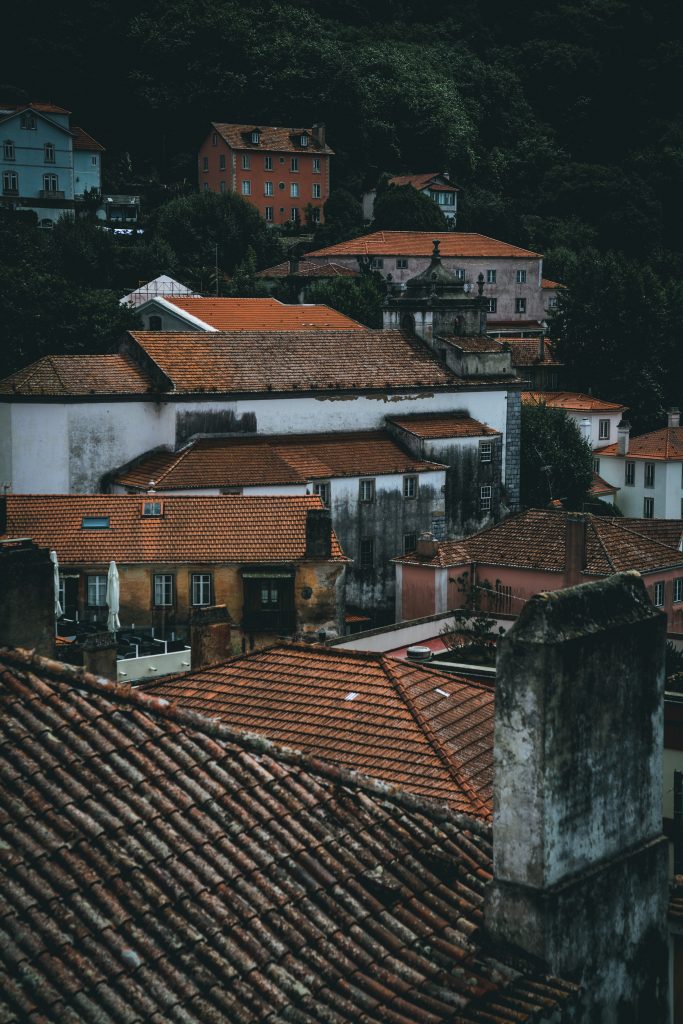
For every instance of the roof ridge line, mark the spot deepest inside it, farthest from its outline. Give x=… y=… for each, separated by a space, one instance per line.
x=51 y=360
x=605 y=552
x=249 y=741
x=442 y=752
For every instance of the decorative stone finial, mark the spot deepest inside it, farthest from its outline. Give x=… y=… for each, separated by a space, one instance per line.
x=480 y=284
x=436 y=252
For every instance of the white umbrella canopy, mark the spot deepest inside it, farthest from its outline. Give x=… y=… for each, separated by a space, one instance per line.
x=59 y=611
x=112 y=597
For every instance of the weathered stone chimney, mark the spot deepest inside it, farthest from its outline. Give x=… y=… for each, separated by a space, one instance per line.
x=99 y=655
x=209 y=635
x=623 y=437
x=580 y=865
x=427 y=546
x=541 y=348
x=293 y=265
x=585 y=429
x=318 y=132
x=674 y=418
x=318 y=533
x=574 y=548
x=27 y=595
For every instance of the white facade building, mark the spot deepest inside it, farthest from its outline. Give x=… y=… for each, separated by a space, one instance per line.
x=647 y=469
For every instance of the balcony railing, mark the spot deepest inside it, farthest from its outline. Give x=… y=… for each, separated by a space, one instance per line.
x=46 y=193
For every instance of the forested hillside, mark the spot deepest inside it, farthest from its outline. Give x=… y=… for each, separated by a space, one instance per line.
x=561 y=122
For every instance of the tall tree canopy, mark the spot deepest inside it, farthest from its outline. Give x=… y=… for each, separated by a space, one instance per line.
x=403 y=208
x=556 y=462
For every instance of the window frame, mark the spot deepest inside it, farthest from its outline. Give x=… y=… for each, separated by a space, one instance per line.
x=267 y=163
x=520 y=304
x=221 y=162
x=246 y=161
x=49 y=153
x=152 y=508
x=205 y=164
x=596 y=465
x=246 y=187
x=10 y=182
x=9 y=150
x=294 y=214
x=367 y=490
x=485 y=498
x=676 y=590
x=658 y=594
x=401 y=262
x=316 y=165
x=491 y=276
x=324 y=490
x=366 y=553
x=198 y=581
x=256 y=138
x=649 y=475
x=294 y=164
x=160 y=582
x=95 y=585
x=316 y=190
x=491 y=304
x=486 y=451
x=604 y=428
x=409 y=542
x=411 y=486
x=28 y=121
x=155 y=323
x=630 y=473
x=648 y=508
x=268 y=189
x=268 y=213
x=294 y=190
x=376 y=263
x=214 y=139
x=50 y=180
x=520 y=276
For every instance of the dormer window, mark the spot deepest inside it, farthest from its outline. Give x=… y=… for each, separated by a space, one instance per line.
x=255 y=138
x=304 y=140
x=152 y=509
x=28 y=120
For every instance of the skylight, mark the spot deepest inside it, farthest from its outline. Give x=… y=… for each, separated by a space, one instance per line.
x=351 y=696
x=95 y=522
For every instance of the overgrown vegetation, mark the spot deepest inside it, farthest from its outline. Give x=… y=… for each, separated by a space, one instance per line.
x=556 y=464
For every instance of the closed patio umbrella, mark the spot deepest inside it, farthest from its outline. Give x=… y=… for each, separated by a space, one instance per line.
x=113 y=598
x=59 y=611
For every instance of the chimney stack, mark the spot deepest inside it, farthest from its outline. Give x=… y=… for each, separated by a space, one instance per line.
x=623 y=437
x=209 y=635
x=293 y=265
x=585 y=430
x=579 y=861
x=674 y=418
x=318 y=533
x=541 y=348
x=574 y=548
x=27 y=596
x=99 y=655
x=427 y=546
x=318 y=132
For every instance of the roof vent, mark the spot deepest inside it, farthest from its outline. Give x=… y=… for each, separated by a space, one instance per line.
x=419 y=653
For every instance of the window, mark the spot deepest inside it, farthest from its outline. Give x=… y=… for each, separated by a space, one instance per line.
x=255 y=138
x=268 y=163
x=410 y=487
x=490 y=276
x=267 y=188
x=62 y=594
x=492 y=305
x=596 y=465
x=316 y=192
x=281 y=186
x=459 y=273
x=50 y=183
x=649 y=474
x=214 y=139
x=294 y=190
x=221 y=186
x=376 y=263
x=8 y=149
x=409 y=542
x=485 y=451
x=552 y=302
x=163 y=590
x=366 y=490
x=322 y=487
x=521 y=277
x=520 y=305
x=268 y=213
x=402 y=263
x=206 y=186
x=28 y=120
x=485 y=498
x=155 y=323
x=153 y=509
x=221 y=162
x=315 y=215
x=97 y=591
x=270 y=596
x=246 y=162
x=46 y=224
x=316 y=165
x=503 y=598
x=93 y=161
x=294 y=215
x=677 y=590
x=367 y=553
x=201 y=588
x=95 y=523
x=658 y=598
x=304 y=140
x=294 y=163
x=205 y=163
x=630 y=474
x=49 y=153
x=246 y=188
x=10 y=181
x=603 y=430
x=648 y=508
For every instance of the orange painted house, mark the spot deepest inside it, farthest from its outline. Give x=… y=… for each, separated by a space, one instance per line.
x=280 y=171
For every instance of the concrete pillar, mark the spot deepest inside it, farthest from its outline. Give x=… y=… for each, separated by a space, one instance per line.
x=99 y=655
x=580 y=865
x=209 y=635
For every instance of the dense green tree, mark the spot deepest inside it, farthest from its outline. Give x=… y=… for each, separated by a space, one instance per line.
x=556 y=463
x=343 y=219
x=403 y=208
x=360 y=298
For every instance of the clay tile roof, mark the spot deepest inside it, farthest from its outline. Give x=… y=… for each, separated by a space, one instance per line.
x=280 y=459
x=600 y=486
x=309 y=269
x=159 y=866
x=377 y=715
x=278 y=140
x=524 y=352
x=297 y=360
x=572 y=401
x=535 y=539
x=666 y=531
x=420 y=243
x=421 y=181
x=81 y=140
x=43 y=108
x=473 y=343
x=262 y=314
x=225 y=528
x=665 y=445
x=78 y=375
x=438 y=424
x=547 y=283
x=449 y=552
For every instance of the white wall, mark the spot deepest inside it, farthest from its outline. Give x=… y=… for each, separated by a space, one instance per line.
x=595 y=440
x=630 y=499
x=40 y=448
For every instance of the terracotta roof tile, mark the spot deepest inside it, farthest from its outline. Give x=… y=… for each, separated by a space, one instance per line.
x=666 y=531
x=571 y=401
x=420 y=181
x=78 y=375
x=377 y=715
x=473 y=343
x=159 y=866
x=524 y=352
x=225 y=528
x=308 y=269
x=665 y=445
x=600 y=486
x=278 y=140
x=262 y=314
x=438 y=424
x=81 y=140
x=43 y=108
x=420 y=243
x=547 y=283
x=282 y=459
x=535 y=539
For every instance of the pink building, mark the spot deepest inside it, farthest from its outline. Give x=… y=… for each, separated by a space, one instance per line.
x=540 y=549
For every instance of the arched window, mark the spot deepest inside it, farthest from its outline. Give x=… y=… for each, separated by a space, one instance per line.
x=155 y=323
x=49 y=152
x=408 y=323
x=46 y=224
x=28 y=120
x=50 y=183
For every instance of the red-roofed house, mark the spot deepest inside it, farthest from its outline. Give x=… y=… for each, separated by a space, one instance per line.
x=436 y=186
x=648 y=470
x=194 y=313
x=283 y=172
x=597 y=419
